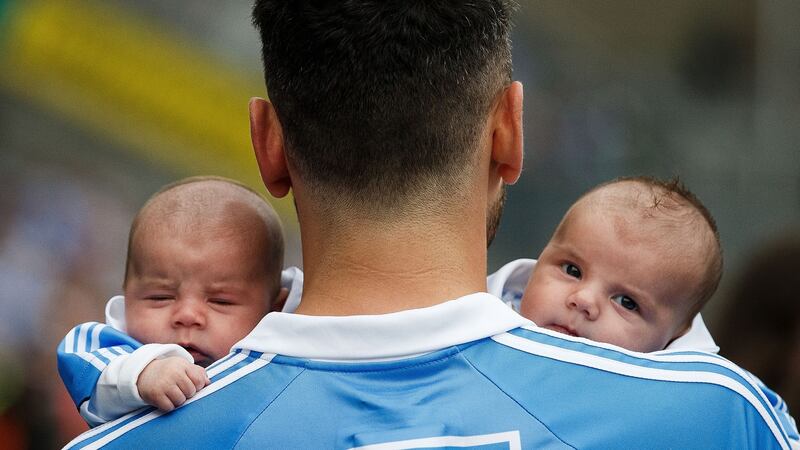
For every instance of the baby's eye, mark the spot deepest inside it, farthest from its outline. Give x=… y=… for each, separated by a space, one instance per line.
x=571 y=270
x=159 y=298
x=626 y=302
x=220 y=301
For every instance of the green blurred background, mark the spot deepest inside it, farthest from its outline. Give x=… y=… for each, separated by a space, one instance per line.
x=101 y=103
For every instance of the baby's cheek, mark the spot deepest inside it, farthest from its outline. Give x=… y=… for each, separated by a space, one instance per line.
x=141 y=331
x=148 y=325
x=530 y=308
x=644 y=341
x=226 y=336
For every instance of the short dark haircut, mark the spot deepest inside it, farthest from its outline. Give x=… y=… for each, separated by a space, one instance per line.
x=673 y=195
x=380 y=100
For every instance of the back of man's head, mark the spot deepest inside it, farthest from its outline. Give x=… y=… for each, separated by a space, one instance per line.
x=383 y=101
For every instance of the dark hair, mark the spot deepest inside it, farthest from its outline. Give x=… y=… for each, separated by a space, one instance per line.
x=383 y=99
x=674 y=195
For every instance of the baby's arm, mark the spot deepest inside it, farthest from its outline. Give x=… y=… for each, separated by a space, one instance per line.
x=100 y=367
x=84 y=354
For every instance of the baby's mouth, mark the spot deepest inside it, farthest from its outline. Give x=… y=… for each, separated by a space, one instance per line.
x=200 y=358
x=562 y=330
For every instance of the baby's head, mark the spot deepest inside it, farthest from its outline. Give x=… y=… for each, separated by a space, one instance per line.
x=204 y=266
x=631 y=263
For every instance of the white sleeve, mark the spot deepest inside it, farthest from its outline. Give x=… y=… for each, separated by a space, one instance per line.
x=116 y=393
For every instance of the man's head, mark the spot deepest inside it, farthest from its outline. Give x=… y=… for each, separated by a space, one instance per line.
x=631 y=263
x=383 y=104
x=204 y=263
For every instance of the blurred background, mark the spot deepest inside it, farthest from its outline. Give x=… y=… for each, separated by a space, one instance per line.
x=101 y=103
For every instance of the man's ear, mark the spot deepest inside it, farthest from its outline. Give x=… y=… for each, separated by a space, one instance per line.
x=507 y=139
x=267 y=136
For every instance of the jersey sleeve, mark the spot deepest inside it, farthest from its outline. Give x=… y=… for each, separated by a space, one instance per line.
x=781 y=411
x=100 y=365
x=85 y=352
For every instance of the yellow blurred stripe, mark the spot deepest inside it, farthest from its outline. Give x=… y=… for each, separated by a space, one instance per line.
x=125 y=78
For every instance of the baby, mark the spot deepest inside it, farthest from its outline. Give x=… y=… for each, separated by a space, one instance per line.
x=631 y=264
x=203 y=267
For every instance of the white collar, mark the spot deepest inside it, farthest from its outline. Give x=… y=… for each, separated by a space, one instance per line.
x=383 y=337
x=514 y=273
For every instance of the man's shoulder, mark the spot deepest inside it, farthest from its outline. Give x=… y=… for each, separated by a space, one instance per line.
x=539 y=348
x=562 y=379
x=214 y=418
x=547 y=387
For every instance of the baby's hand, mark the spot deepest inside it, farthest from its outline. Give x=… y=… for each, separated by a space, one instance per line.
x=167 y=383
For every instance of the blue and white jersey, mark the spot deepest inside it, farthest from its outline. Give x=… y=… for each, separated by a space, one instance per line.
x=782 y=411
x=467 y=373
x=510 y=281
x=100 y=365
x=85 y=352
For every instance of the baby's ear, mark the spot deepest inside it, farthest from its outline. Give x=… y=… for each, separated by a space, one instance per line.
x=279 y=301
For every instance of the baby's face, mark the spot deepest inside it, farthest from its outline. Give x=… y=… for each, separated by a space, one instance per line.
x=602 y=278
x=202 y=290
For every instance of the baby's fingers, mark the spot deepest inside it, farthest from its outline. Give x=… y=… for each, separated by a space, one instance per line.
x=162 y=402
x=176 y=397
x=198 y=376
x=187 y=386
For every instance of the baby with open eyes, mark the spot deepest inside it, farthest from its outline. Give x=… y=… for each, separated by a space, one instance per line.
x=631 y=264
x=203 y=268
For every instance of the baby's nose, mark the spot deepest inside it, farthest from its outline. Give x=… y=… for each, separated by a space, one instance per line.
x=189 y=313
x=585 y=301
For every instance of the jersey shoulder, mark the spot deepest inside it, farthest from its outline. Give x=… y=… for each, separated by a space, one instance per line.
x=589 y=391
x=238 y=394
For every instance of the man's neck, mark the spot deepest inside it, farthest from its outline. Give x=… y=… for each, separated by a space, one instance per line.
x=379 y=269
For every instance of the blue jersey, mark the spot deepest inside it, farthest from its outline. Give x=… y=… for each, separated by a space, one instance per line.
x=100 y=365
x=468 y=373
x=86 y=352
